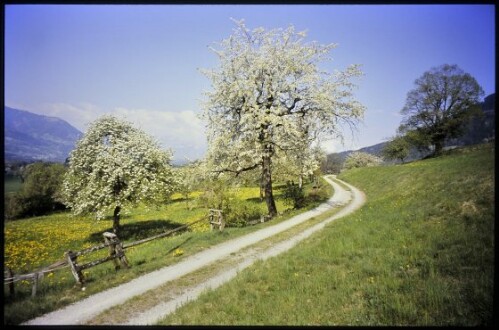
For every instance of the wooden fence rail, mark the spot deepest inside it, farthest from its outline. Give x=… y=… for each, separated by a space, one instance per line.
x=116 y=253
x=10 y=278
x=167 y=233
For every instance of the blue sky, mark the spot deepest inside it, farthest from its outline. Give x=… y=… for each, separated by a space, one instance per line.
x=78 y=62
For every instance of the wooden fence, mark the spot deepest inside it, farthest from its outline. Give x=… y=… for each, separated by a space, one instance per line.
x=116 y=253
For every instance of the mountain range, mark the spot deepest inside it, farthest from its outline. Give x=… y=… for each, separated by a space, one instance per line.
x=30 y=137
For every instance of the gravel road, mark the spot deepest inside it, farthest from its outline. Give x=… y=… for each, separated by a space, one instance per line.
x=84 y=310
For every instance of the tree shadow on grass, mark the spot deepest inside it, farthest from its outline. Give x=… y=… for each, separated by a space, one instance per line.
x=255 y=200
x=278 y=192
x=179 y=245
x=137 y=230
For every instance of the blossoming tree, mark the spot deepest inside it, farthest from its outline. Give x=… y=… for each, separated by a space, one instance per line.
x=270 y=98
x=361 y=159
x=116 y=165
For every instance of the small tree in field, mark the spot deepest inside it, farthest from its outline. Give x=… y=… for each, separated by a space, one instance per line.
x=397 y=148
x=443 y=101
x=189 y=178
x=116 y=165
x=270 y=99
x=361 y=159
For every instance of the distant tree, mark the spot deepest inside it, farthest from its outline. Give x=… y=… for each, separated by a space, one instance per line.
x=443 y=101
x=113 y=166
x=397 y=148
x=39 y=193
x=189 y=179
x=332 y=164
x=298 y=164
x=270 y=98
x=361 y=159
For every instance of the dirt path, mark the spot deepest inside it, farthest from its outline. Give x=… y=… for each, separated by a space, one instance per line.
x=84 y=310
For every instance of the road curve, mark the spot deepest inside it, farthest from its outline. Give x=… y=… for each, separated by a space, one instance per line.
x=84 y=310
x=155 y=314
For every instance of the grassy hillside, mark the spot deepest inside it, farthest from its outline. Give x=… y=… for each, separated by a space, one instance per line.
x=420 y=252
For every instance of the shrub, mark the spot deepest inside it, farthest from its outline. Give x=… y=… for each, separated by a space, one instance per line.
x=397 y=148
x=361 y=159
x=318 y=193
x=39 y=193
x=14 y=206
x=216 y=194
x=238 y=215
x=294 y=195
x=220 y=194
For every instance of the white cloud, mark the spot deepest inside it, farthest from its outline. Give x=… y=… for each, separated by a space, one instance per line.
x=78 y=116
x=335 y=145
x=181 y=131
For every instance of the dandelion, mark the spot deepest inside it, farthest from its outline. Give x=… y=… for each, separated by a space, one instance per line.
x=178 y=252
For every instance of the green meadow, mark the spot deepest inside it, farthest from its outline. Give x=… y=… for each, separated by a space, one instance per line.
x=34 y=243
x=419 y=252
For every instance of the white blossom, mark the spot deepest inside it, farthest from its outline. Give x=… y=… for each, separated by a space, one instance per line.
x=270 y=100
x=271 y=79
x=361 y=159
x=116 y=164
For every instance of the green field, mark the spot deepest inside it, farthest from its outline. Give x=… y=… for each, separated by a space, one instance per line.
x=37 y=242
x=420 y=252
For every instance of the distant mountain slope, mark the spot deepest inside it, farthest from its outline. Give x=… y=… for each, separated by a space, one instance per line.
x=31 y=137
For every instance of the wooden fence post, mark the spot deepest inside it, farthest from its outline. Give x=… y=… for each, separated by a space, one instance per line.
x=11 y=283
x=115 y=250
x=35 y=285
x=75 y=269
x=219 y=222
x=210 y=219
x=120 y=253
x=109 y=239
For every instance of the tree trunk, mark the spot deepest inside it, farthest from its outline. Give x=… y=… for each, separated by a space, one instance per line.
x=262 y=188
x=116 y=220
x=438 y=148
x=300 y=181
x=267 y=183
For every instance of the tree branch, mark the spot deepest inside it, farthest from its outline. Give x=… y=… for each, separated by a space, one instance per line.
x=237 y=172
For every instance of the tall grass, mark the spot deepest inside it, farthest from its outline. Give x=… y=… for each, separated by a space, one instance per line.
x=420 y=252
